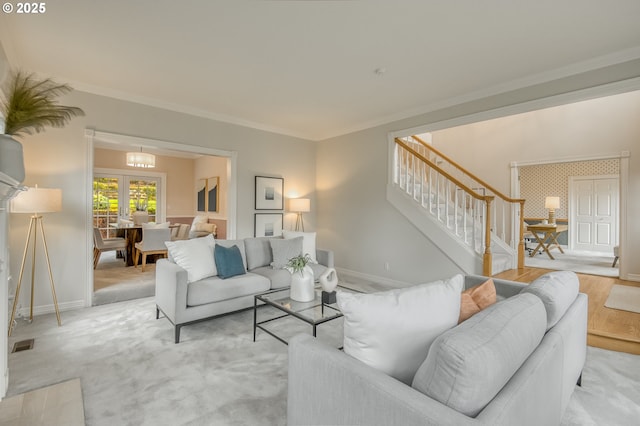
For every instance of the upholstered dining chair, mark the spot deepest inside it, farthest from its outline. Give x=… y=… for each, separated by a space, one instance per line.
x=152 y=243
x=182 y=232
x=101 y=245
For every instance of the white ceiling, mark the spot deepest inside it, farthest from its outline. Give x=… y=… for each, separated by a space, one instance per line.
x=306 y=68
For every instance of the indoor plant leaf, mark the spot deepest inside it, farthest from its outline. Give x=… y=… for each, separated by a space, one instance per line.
x=30 y=104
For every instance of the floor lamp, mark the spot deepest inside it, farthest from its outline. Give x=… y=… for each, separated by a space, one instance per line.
x=35 y=201
x=300 y=205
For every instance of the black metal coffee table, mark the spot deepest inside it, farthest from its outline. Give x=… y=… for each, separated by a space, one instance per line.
x=313 y=313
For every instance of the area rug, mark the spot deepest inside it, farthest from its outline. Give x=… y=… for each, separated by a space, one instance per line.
x=584 y=264
x=624 y=298
x=133 y=374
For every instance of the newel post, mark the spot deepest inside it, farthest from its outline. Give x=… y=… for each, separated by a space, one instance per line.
x=487 y=258
x=521 y=243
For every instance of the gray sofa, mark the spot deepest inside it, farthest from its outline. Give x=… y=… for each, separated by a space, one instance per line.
x=184 y=303
x=327 y=386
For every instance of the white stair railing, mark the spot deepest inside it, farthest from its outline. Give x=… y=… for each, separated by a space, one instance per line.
x=465 y=213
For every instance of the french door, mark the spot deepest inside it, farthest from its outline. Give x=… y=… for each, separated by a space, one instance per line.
x=117 y=195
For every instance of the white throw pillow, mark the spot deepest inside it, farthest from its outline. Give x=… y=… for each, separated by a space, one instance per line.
x=308 y=242
x=392 y=330
x=195 y=256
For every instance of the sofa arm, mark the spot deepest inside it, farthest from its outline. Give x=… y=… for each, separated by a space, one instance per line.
x=171 y=289
x=325 y=257
x=326 y=386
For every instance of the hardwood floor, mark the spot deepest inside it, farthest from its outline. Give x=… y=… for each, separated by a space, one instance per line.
x=607 y=328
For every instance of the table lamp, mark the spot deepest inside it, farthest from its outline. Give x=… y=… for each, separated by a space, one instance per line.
x=300 y=205
x=552 y=203
x=35 y=201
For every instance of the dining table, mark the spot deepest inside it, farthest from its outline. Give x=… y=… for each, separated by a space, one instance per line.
x=132 y=233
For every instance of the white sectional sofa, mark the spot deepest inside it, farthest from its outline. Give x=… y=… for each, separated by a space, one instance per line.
x=185 y=302
x=516 y=362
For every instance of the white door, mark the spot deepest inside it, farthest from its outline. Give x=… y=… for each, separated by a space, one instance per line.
x=593 y=222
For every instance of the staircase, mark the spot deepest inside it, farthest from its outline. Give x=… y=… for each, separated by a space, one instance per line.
x=479 y=228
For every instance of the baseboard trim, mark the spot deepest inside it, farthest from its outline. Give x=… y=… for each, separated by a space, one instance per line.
x=48 y=309
x=372 y=278
x=633 y=277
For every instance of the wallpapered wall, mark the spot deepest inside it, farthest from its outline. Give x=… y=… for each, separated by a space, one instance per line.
x=540 y=181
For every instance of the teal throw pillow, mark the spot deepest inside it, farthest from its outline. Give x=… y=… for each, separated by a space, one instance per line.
x=228 y=261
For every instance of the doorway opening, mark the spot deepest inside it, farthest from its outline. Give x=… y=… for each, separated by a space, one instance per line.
x=166 y=194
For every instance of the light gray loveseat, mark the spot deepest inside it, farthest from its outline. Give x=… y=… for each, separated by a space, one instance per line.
x=327 y=386
x=184 y=303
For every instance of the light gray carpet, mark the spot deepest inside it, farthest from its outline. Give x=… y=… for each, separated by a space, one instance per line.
x=113 y=281
x=576 y=262
x=133 y=374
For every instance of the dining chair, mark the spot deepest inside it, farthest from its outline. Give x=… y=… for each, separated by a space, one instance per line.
x=152 y=243
x=101 y=245
x=182 y=232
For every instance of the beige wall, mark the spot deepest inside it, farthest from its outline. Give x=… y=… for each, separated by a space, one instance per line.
x=587 y=129
x=179 y=171
x=345 y=178
x=366 y=232
x=59 y=158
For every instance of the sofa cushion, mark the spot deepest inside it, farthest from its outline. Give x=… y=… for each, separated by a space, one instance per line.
x=308 y=242
x=557 y=290
x=214 y=289
x=283 y=250
x=477 y=298
x=392 y=330
x=258 y=252
x=279 y=278
x=468 y=365
x=317 y=269
x=228 y=261
x=194 y=256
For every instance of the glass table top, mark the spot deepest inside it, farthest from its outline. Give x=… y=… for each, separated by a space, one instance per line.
x=313 y=312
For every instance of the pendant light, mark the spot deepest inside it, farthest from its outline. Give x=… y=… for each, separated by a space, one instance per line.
x=141 y=159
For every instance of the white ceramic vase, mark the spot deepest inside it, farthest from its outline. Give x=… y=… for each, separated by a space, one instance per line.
x=302 y=285
x=140 y=217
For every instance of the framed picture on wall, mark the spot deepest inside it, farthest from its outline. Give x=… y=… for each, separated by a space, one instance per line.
x=213 y=192
x=201 y=195
x=269 y=193
x=268 y=224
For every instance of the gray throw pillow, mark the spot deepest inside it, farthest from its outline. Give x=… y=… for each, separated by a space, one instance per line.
x=283 y=250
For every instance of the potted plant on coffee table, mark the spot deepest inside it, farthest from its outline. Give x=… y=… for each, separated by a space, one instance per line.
x=302 y=289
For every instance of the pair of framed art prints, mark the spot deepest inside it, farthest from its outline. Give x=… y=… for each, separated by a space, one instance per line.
x=269 y=196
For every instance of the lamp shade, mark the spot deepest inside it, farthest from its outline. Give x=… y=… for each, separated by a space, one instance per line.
x=302 y=205
x=37 y=200
x=552 y=203
x=141 y=159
